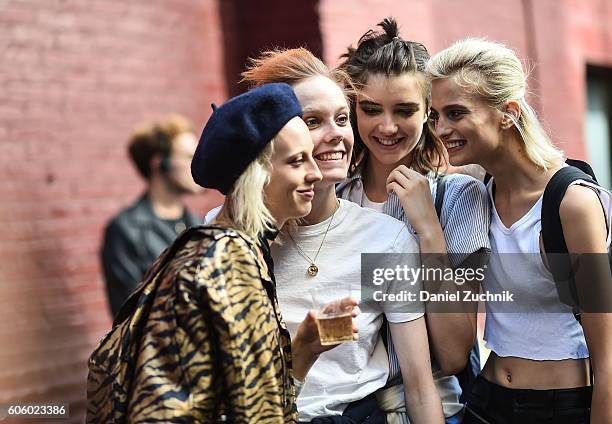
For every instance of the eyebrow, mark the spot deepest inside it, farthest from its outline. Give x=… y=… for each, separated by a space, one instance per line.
x=311 y=109
x=408 y=105
x=454 y=105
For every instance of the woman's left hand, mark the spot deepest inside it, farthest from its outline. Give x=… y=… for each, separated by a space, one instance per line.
x=414 y=193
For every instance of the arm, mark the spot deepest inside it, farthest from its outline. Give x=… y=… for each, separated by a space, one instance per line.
x=452 y=335
x=422 y=399
x=581 y=205
x=120 y=265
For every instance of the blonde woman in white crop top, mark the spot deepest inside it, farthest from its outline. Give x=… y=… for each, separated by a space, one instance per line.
x=480 y=113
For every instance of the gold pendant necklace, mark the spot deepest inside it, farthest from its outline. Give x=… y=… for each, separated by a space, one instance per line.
x=313 y=269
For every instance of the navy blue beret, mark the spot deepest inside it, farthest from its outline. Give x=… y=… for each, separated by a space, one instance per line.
x=238 y=131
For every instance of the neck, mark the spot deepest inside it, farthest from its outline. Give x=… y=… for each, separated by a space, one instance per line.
x=324 y=204
x=375 y=176
x=166 y=203
x=515 y=172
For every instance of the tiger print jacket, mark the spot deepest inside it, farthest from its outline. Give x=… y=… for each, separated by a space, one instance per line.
x=201 y=340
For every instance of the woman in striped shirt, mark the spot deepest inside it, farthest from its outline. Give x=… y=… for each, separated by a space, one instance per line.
x=395 y=171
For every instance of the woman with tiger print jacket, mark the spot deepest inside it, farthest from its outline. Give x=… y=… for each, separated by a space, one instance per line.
x=202 y=339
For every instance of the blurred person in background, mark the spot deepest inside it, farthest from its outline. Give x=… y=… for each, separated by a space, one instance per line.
x=162 y=153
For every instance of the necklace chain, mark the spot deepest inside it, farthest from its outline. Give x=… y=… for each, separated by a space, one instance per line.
x=313 y=269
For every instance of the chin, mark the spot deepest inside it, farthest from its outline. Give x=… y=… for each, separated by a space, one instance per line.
x=460 y=161
x=300 y=211
x=332 y=178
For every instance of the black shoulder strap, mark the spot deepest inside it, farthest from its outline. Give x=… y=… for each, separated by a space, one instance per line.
x=440 y=189
x=552 y=231
x=583 y=166
x=487 y=177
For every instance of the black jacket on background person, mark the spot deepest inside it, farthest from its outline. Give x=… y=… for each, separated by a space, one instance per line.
x=132 y=241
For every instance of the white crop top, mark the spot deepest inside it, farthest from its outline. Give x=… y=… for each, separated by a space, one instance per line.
x=521 y=332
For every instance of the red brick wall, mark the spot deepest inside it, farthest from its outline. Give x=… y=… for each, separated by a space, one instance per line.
x=75 y=77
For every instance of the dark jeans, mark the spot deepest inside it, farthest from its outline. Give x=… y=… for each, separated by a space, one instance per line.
x=493 y=404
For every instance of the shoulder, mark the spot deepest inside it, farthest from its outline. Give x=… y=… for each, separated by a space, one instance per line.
x=378 y=226
x=223 y=241
x=465 y=193
x=579 y=202
x=458 y=184
x=213 y=252
x=132 y=214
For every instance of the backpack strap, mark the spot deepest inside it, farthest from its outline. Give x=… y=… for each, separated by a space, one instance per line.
x=552 y=231
x=440 y=189
x=552 y=234
x=583 y=166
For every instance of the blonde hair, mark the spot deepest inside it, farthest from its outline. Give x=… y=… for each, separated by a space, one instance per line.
x=245 y=205
x=493 y=71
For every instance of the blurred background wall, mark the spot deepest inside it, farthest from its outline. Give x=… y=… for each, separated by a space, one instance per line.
x=77 y=75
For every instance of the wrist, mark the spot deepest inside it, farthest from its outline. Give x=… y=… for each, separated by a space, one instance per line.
x=302 y=359
x=430 y=232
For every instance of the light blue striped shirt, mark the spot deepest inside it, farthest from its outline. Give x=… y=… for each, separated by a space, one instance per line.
x=465 y=218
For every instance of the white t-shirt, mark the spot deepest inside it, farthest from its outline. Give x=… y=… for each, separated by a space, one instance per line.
x=541 y=327
x=353 y=370
x=375 y=206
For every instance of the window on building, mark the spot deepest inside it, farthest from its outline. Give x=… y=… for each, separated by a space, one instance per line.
x=599 y=122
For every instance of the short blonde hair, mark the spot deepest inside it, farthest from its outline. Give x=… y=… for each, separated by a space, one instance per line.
x=493 y=71
x=245 y=205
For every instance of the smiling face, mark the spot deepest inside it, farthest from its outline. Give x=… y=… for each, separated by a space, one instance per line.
x=326 y=113
x=391 y=111
x=469 y=128
x=294 y=172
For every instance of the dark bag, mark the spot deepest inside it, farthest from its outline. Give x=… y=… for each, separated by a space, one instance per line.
x=552 y=231
x=363 y=411
x=467 y=377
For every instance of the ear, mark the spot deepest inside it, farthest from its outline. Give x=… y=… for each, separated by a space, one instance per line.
x=155 y=163
x=512 y=113
x=426 y=117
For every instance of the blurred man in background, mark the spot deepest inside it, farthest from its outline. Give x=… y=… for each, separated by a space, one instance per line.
x=162 y=152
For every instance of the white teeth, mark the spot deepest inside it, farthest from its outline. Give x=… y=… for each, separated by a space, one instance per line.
x=451 y=144
x=390 y=142
x=330 y=156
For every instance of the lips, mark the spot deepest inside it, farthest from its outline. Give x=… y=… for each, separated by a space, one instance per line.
x=329 y=156
x=388 y=142
x=454 y=145
x=308 y=194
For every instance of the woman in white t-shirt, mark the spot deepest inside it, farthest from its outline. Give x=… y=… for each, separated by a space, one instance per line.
x=326 y=247
x=538 y=370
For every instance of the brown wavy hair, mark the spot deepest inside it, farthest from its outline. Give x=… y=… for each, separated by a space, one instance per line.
x=388 y=54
